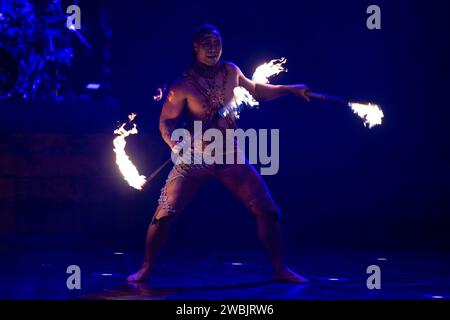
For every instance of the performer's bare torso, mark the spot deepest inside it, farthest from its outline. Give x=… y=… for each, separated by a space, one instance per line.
x=196 y=106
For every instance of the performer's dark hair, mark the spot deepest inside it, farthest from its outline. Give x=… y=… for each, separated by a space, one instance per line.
x=203 y=30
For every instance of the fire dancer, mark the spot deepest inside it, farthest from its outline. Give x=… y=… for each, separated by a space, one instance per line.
x=205 y=87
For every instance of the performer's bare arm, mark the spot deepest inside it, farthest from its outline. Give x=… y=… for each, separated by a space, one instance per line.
x=171 y=111
x=266 y=92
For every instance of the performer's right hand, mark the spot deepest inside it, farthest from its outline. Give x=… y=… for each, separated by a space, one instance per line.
x=177 y=148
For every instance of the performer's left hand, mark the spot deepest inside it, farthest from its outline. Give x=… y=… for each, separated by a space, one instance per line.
x=300 y=90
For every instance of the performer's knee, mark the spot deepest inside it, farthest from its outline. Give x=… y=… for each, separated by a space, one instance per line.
x=163 y=215
x=166 y=205
x=265 y=206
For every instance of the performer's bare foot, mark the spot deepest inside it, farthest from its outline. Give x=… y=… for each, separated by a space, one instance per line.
x=141 y=275
x=287 y=275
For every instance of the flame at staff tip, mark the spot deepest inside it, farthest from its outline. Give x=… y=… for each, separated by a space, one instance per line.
x=268 y=69
x=241 y=97
x=261 y=75
x=159 y=94
x=371 y=113
x=126 y=167
x=132 y=116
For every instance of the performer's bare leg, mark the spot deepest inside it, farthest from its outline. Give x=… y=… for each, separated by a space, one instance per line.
x=179 y=189
x=269 y=232
x=248 y=186
x=157 y=234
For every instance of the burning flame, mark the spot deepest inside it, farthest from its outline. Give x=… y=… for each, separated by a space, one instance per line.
x=371 y=113
x=126 y=167
x=268 y=69
x=241 y=95
x=159 y=94
x=261 y=75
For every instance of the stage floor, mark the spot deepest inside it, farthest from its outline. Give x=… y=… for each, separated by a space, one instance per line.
x=218 y=276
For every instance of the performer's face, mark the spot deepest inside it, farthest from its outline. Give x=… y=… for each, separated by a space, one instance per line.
x=209 y=49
